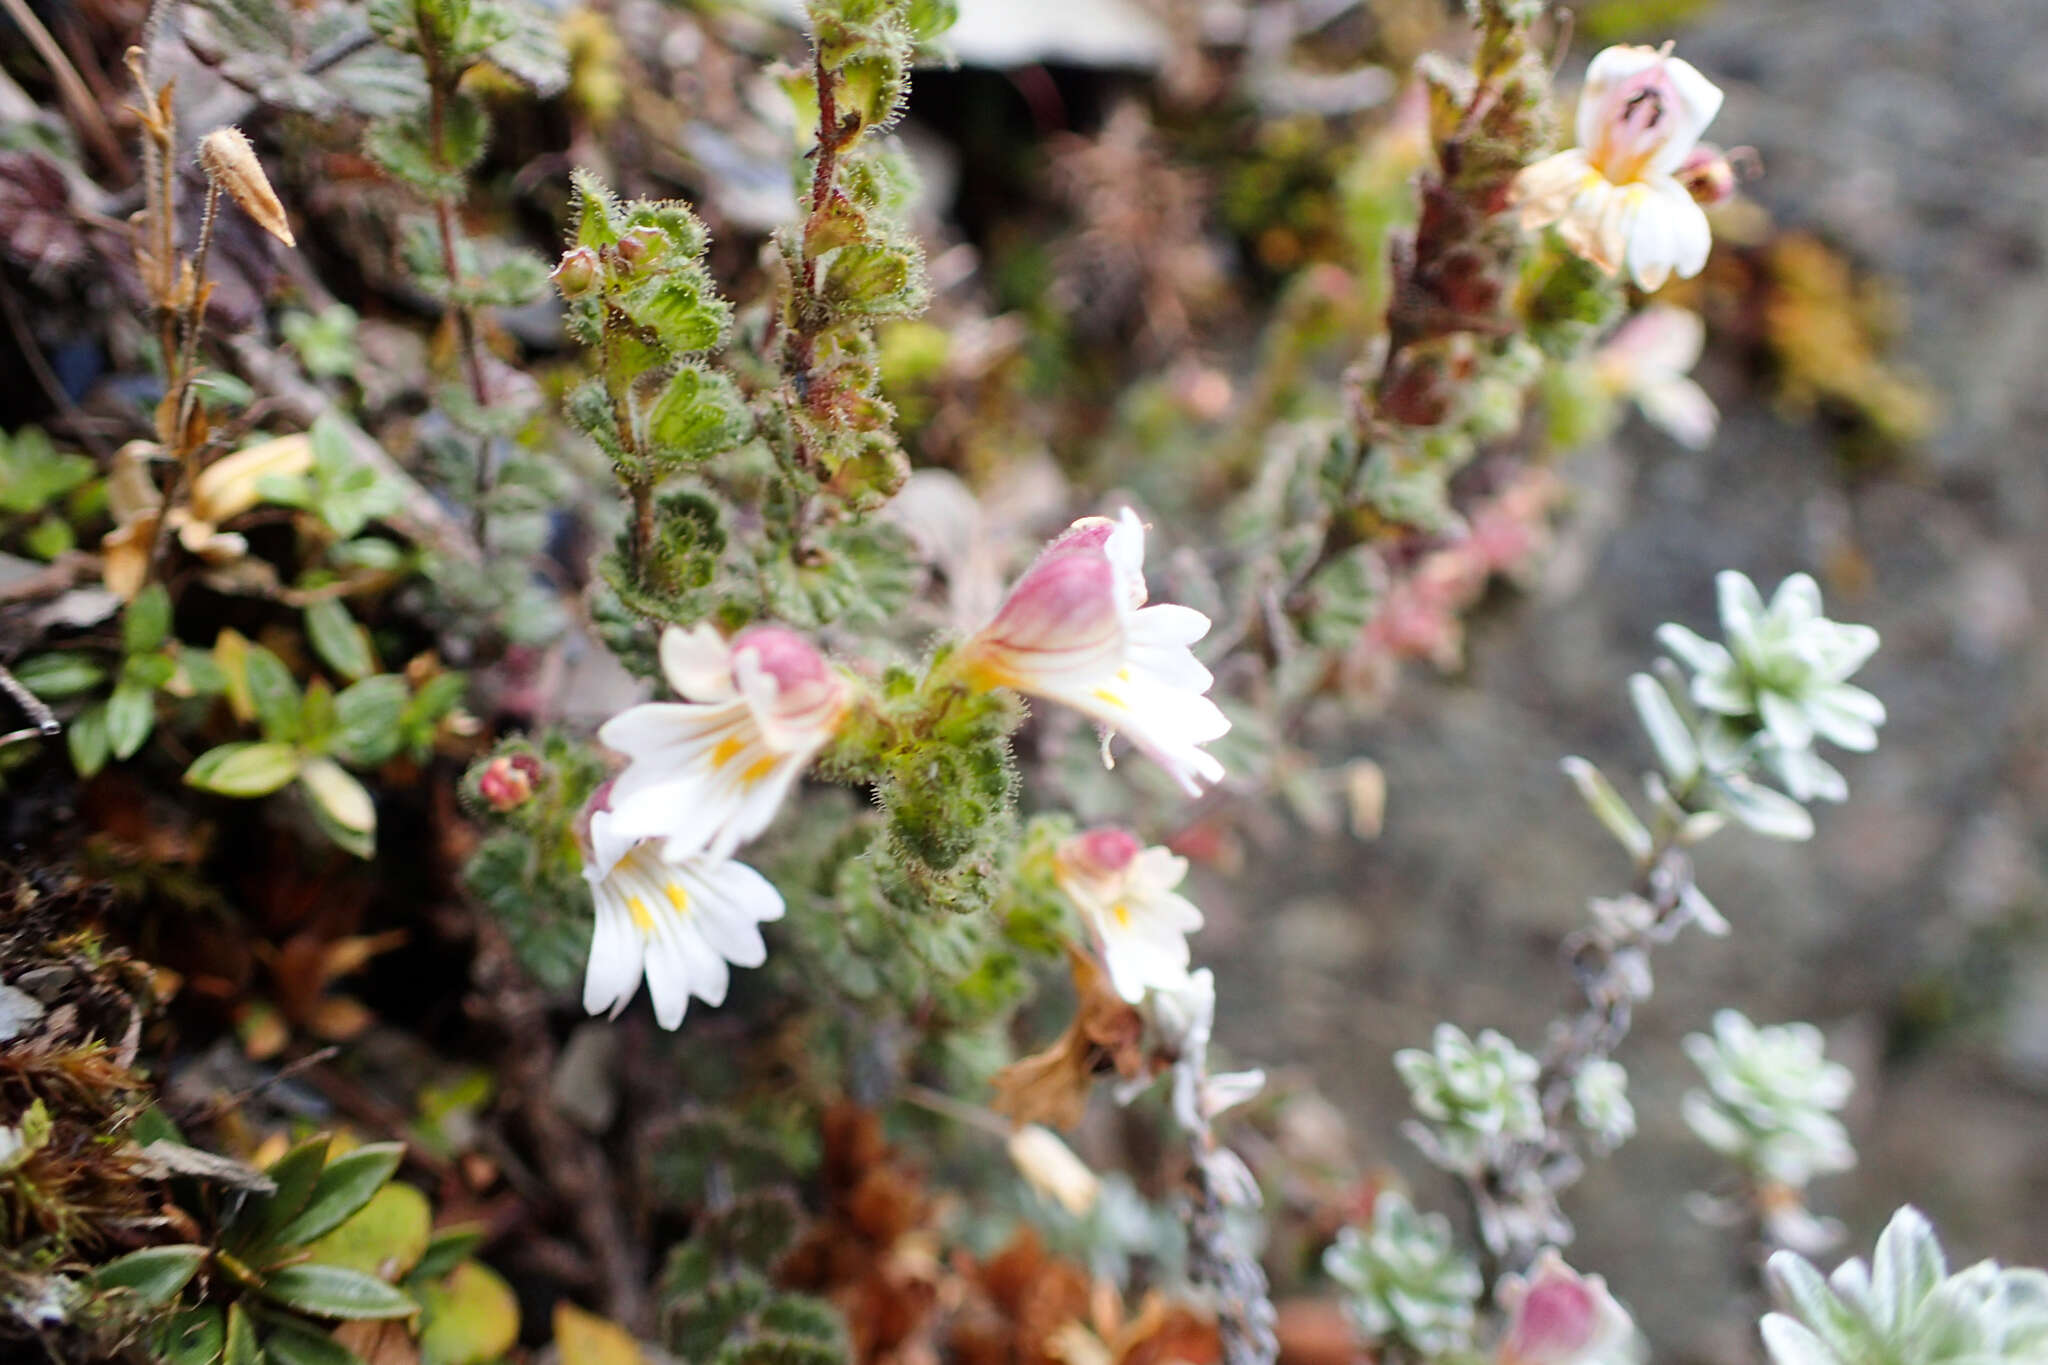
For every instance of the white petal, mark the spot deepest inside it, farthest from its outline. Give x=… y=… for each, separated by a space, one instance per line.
x=1681 y=409
x=697 y=663
x=1699 y=100
x=1609 y=68
x=1740 y=604
x=1126 y=550
x=1545 y=189
x=616 y=953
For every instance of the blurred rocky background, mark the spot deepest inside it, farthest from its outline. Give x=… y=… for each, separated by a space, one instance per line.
x=1910 y=138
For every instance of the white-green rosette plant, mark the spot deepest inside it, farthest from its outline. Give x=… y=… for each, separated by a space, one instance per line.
x=1904 y=1308
x=1770 y=1100
x=1761 y=700
x=1405 y=1279
x=1474 y=1092
x=1600 y=1103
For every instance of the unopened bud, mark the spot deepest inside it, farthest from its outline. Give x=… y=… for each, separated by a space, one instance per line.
x=230 y=162
x=641 y=245
x=508 y=781
x=1708 y=175
x=577 y=274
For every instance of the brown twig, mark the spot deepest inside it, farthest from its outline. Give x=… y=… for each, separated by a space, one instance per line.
x=85 y=111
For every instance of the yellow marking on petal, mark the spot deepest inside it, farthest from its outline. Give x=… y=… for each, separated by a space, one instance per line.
x=728 y=749
x=642 y=920
x=1122 y=911
x=1108 y=698
x=758 y=769
x=677 y=897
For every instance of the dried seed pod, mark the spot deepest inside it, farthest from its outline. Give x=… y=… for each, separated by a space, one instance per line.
x=231 y=163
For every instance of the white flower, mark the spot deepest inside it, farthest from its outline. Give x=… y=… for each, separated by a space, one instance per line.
x=678 y=922
x=1614 y=197
x=1125 y=893
x=708 y=773
x=1648 y=360
x=1075 y=629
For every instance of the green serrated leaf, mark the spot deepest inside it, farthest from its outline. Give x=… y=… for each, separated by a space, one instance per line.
x=244 y=769
x=698 y=414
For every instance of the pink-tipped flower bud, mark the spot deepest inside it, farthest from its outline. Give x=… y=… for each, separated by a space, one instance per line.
x=578 y=273
x=1708 y=175
x=640 y=245
x=1103 y=852
x=508 y=781
x=1559 y=1317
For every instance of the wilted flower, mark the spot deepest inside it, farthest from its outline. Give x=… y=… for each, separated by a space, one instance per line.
x=226 y=488
x=1405 y=1278
x=1184 y=1016
x=231 y=163
x=1476 y=1090
x=1053 y=1170
x=1600 y=1102
x=680 y=922
x=1125 y=892
x=1648 y=361
x=1557 y=1316
x=1075 y=629
x=1615 y=197
x=1904 y=1308
x=708 y=773
x=1771 y=1098
x=1784 y=668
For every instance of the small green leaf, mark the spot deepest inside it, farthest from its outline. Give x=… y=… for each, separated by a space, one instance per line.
x=329 y=1291
x=54 y=677
x=698 y=414
x=244 y=769
x=1677 y=751
x=385 y=1237
x=290 y=1342
x=1607 y=806
x=339 y=640
x=448 y=1248
x=368 y=719
x=316 y=717
x=241 y=1347
x=86 y=737
x=348 y=1183
x=471 y=1317
x=255 y=1227
x=131 y=715
x=193 y=1336
x=147 y=621
x=273 y=692
x=154 y=1274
